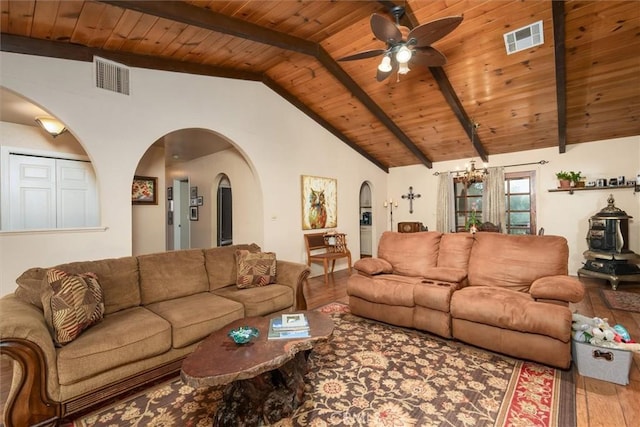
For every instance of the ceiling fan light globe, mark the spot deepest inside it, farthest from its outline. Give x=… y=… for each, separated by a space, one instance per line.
x=403 y=68
x=385 y=64
x=403 y=55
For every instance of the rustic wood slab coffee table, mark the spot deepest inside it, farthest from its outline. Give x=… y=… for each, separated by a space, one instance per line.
x=264 y=378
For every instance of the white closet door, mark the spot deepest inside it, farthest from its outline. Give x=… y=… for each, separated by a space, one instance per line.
x=77 y=204
x=32 y=194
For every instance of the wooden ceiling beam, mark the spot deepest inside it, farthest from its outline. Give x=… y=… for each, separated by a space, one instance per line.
x=51 y=49
x=561 y=72
x=193 y=15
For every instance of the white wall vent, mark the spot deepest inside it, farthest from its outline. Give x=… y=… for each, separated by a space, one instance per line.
x=111 y=75
x=524 y=38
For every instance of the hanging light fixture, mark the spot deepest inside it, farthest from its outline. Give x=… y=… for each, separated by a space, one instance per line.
x=52 y=126
x=472 y=175
x=385 y=64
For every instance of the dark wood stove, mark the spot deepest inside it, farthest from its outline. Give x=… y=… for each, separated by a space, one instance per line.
x=608 y=256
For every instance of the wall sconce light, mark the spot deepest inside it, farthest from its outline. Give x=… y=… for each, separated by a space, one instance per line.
x=52 y=126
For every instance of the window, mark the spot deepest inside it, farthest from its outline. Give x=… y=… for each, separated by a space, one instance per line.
x=520 y=202
x=468 y=199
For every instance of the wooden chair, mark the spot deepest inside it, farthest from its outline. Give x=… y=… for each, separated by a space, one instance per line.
x=319 y=250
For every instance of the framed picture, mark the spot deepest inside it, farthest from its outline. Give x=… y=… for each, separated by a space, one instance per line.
x=319 y=202
x=193 y=201
x=193 y=213
x=144 y=190
x=200 y=201
x=170 y=218
x=194 y=192
x=169 y=193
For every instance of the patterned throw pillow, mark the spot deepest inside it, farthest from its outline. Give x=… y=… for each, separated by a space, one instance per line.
x=71 y=303
x=255 y=268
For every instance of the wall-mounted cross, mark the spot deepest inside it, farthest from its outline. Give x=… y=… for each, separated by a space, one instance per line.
x=411 y=195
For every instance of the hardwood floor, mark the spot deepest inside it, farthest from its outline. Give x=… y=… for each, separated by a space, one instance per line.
x=598 y=403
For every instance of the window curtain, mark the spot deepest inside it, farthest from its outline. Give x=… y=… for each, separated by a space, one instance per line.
x=445 y=216
x=493 y=197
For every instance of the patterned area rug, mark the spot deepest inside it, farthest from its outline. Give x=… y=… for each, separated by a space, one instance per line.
x=619 y=300
x=373 y=374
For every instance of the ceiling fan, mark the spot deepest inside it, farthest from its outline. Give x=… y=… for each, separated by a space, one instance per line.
x=404 y=46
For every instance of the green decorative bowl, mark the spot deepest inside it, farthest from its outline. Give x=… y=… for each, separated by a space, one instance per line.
x=243 y=334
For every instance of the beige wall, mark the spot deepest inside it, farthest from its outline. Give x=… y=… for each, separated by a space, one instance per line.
x=278 y=144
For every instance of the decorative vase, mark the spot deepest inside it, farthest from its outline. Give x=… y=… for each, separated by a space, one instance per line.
x=564 y=183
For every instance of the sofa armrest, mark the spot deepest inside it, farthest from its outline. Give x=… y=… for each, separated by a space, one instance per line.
x=294 y=275
x=25 y=338
x=373 y=266
x=561 y=288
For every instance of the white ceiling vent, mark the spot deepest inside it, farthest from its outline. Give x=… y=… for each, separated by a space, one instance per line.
x=111 y=75
x=524 y=38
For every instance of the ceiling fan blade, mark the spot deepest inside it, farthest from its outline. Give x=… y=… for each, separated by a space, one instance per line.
x=362 y=55
x=385 y=30
x=381 y=75
x=430 y=32
x=428 y=57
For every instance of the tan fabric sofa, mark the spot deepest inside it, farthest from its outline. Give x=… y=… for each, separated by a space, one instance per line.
x=158 y=308
x=505 y=293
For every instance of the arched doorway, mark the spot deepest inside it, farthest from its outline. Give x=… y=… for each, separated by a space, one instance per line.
x=224 y=212
x=366 y=242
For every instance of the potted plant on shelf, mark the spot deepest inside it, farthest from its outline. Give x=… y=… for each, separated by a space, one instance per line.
x=576 y=179
x=564 y=179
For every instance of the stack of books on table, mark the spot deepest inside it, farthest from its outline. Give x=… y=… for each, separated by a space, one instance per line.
x=288 y=326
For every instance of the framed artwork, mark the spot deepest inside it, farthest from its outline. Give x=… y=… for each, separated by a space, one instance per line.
x=193 y=201
x=144 y=190
x=170 y=218
x=200 y=201
x=169 y=193
x=193 y=213
x=194 y=192
x=319 y=202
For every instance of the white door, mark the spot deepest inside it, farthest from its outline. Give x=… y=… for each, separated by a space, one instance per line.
x=32 y=192
x=181 y=225
x=76 y=198
x=47 y=193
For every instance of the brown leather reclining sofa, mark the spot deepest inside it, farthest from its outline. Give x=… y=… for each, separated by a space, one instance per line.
x=505 y=293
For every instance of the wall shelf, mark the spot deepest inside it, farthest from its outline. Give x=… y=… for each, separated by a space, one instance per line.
x=572 y=189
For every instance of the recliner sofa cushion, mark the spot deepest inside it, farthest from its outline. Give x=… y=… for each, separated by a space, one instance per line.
x=512 y=310
x=174 y=274
x=454 y=250
x=260 y=300
x=123 y=337
x=410 y=253
x=390 y=289
x=515 y=262
x=194 y=317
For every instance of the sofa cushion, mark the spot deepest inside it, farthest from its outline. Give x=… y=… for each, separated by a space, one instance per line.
x=389 y=289
x=160 y=273
x=123 y=337
x=72 y=303
x=118 y=278
x=410 y=253
x=221 y=264
x=512 y=310
x=261 y=300
x=454 y=250
x=30 y=286
x=194 y=317
x=515 y=261
x=255 y=269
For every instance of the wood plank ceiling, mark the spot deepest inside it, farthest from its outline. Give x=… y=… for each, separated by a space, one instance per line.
x=581 y=85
